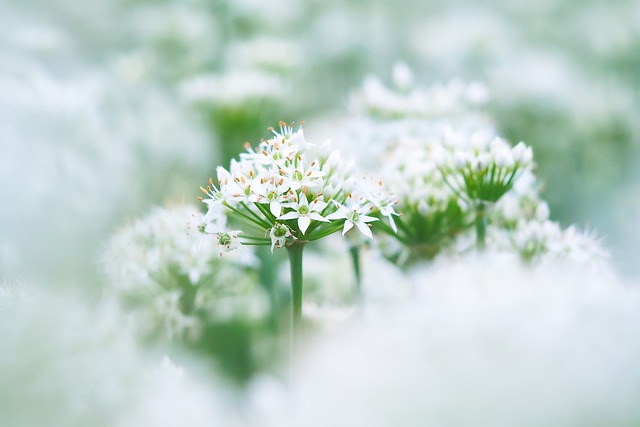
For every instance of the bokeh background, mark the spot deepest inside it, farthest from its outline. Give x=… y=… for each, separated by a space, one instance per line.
x=108 y=108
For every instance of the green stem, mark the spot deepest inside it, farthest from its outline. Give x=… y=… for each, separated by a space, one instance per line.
x=295 y=261
x=355 y=261
x=481 y=226
x=247 y=217
x=267 y=272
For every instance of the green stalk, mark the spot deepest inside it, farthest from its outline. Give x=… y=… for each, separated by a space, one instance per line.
x=295 y=261
x=481 y=226
x=355 y=261
x=267 y=272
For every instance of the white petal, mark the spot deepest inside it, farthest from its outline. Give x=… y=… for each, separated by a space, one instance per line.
x=319 y=205
x=364 y=229
x=317 y=217
x=275 y=208
x=393 y=223
x=336 y=215
x=347 y=227
x=366 y=218
x=303 y=223
x=290 y=215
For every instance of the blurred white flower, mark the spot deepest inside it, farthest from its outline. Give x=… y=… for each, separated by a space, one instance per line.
x=236 y=88
x=482 y=339
x=173 y=280
x=65 y=363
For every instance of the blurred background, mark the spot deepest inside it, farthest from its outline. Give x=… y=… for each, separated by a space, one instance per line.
x=108 y=108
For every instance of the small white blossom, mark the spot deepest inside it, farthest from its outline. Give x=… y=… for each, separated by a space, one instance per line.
x=354 y=213
x=304 y=212
x=279 y=234
x=228 y=241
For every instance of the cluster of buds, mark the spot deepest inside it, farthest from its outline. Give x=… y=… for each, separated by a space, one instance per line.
x=486 y=170
x=431 y=216
x=288 y=191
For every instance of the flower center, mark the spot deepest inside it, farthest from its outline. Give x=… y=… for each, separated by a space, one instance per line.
x=280 y=231
x=354 y=217
x=224 y=239
x=303 y=210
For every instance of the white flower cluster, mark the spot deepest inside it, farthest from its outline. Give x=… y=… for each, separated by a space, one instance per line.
x=171 y=278
x=288 y=190
x=405 y=100
x=431 y=215
x=443 y=168
x=511 y=344
x=235 y=89
x=520 y=222
x=65 y=363
x=485 y=168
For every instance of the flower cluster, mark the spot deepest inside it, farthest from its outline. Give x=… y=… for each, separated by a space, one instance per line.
x=484 y=170
x=288 y=191
x=430 y=213
x=406 y=100
x=449 y=169
x=520 y=222
x=172 y=280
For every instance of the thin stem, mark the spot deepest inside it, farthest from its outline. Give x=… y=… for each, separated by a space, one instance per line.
x=256 y=243
x=246 y=217
x=355 y=261
x=267 y=272
x=325 y=233
x=452 y=188
x=244 y=236
x=295 y=262
x=266 y=212
x=256 y=216
x=481 y=226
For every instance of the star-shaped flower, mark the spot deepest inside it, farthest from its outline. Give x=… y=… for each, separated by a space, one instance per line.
x=354 y=213
x=305 y=212
x=279 y=234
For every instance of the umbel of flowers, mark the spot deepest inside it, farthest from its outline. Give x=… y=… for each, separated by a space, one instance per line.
x=286 y=193
x=482 y=172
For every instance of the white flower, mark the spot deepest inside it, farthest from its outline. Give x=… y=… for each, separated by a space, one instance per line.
x=274 y=192
x=381 y=200
x=305 y=212
x=301 y=178
x=354 y=213
x=228 y=241
x=279 y=234
x=473 y=333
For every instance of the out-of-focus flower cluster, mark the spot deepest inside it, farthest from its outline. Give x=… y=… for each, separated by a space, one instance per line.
x=447 y=166
x=109 y=109
x=544 y=343
x=172 y=280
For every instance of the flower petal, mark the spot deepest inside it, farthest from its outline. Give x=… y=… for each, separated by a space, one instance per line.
x=393 y=223
x=303 y=223
x=364 y=229
x=317 y=217
x=336 y=215
x=367 y=218
x=290 y=215
x=275 y=208
x=347 y=227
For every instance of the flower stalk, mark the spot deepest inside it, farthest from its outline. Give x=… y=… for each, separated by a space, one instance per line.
x=354 y=251
x=295 y=263
x=481 y=226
